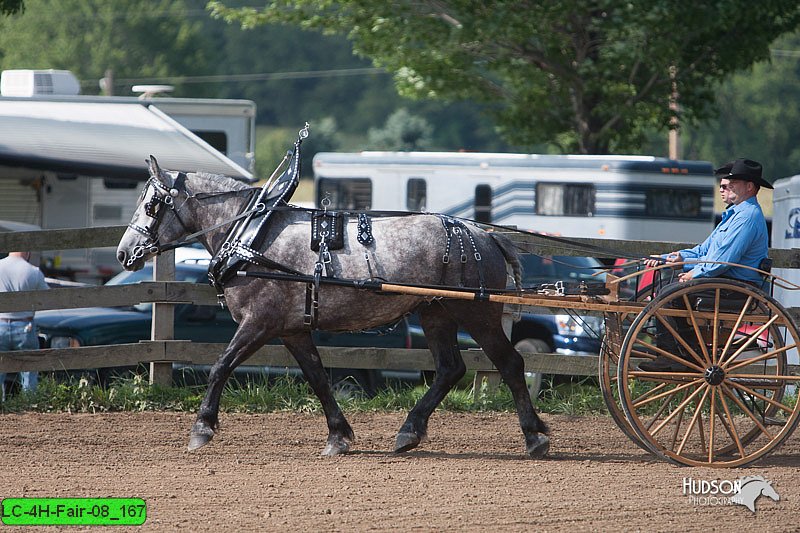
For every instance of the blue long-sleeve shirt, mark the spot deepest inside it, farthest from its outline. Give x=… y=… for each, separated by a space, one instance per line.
x=741 y=237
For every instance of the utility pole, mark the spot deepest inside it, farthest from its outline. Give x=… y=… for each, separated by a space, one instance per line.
x=107 y=83
x=674 y=132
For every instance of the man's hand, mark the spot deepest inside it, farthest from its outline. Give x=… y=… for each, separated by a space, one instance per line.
x=654 y=261
x=686 y=276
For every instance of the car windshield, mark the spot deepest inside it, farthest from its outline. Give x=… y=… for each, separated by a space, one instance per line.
x=537 y=269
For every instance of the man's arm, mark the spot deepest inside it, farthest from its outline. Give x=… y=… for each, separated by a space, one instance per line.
x=730 y=247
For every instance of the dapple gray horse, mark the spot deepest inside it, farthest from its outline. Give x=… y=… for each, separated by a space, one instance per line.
x=405 y=249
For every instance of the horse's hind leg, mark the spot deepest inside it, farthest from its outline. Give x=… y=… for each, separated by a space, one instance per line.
x=441 y=333
x=340 y=434
x=484 y=322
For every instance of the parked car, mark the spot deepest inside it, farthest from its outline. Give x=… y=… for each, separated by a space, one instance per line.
x=206 y=323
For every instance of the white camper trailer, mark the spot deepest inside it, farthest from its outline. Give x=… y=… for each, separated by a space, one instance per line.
x=70 y=161
x=619 y=197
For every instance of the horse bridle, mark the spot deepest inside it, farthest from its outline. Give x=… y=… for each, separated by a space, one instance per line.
x=162 y=200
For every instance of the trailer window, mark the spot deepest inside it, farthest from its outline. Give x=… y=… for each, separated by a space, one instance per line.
x=345 y=193
x=672 y=203
x=565 y=199
x=483 y=203
x=416 y=194
x=217 y=139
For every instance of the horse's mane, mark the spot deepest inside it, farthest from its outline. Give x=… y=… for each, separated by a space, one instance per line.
x=215 y=182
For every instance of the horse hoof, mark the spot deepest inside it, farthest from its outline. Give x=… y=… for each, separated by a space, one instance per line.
x=336 y=446
x=406 y=441
x=198 y=440
x=538 y=446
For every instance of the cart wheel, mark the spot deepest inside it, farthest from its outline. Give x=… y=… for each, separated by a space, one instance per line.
x=615 y=326
x=722 y=399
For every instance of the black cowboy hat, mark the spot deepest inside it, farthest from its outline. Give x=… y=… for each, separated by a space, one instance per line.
x=743 y=169
x=723 y=171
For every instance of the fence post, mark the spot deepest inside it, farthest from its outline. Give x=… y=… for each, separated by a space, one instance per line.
x=163 y=325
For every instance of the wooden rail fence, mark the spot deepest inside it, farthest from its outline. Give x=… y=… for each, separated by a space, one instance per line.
x=161 y=351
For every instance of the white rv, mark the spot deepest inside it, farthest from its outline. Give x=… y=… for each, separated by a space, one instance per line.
x=68 y=160
x=618 y=197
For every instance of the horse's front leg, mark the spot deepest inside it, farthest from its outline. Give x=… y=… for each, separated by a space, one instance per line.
x=247 y=339
x=340 y=434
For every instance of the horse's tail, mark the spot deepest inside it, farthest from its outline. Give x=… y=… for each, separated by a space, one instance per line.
x=510 y=255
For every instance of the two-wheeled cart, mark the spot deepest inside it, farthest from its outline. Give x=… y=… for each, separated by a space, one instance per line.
x=728 y=395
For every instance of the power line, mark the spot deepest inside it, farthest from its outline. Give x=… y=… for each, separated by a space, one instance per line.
x=262 y=76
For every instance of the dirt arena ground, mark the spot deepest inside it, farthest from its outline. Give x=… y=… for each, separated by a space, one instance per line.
x=264 y=472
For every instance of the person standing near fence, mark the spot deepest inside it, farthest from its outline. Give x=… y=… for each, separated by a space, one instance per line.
x=17 y=331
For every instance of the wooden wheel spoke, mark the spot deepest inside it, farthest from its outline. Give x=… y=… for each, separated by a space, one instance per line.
x=700 y=341
x=661 y=410
x=693 y=422
x=765 y=377
x=715 y=328
x=753 y=337
x=711 y=415
x=644 y=355
x=758 y=359
x=726 y=390
x=680 y=408
x=760 y=396
x=730 y=425
x=640 y=401
x=698 y=361
x=649 y=393
x=735 y=328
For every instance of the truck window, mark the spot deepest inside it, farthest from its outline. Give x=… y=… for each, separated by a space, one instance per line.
x=345 y=193
x=416 y=194
x=672 y=203
x=483 y=203
x=565 y=199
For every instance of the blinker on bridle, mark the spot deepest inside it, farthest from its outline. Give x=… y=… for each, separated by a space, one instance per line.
x=162 y=196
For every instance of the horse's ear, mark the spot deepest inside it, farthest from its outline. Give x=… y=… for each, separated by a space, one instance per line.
x=156 y=172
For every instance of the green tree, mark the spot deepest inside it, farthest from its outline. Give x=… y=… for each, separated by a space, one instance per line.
x=756 y=119
x=402 y=131
x=134 y=38
x=9 y=7
x=591 y=76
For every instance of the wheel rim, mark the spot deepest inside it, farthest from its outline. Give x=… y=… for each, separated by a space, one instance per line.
x=609 y=384
x=730 y=405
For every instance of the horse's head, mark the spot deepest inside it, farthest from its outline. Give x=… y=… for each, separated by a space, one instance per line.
x=769 y=491
x=154 y=221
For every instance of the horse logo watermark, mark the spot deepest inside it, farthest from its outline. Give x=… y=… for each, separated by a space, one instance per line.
x=751 y=488
x=743 y=491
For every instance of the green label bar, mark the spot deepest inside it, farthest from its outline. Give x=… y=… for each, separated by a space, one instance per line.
x=73 y=511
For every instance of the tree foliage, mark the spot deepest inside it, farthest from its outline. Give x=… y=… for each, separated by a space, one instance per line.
x=134 y=38
x=591 y=76
x=9 y=7
x=402 y=131
x=756 y=119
